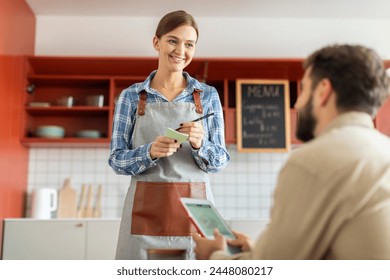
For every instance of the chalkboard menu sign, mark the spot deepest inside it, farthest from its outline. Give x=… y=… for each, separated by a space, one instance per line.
x=263 y=115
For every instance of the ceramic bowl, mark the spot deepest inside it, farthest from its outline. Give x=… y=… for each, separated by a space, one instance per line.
x=50 y=131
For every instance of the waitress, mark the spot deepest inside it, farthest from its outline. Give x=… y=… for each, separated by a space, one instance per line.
x=162 y=169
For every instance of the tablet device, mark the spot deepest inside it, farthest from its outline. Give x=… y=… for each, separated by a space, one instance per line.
x=206 y=218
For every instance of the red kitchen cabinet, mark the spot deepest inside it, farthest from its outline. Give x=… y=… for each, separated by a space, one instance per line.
x=52 y=78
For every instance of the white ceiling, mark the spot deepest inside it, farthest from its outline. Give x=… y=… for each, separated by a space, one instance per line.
x=376 y=9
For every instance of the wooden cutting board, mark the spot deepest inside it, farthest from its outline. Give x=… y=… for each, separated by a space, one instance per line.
x=67 y=201
x=83 y=200
x=88 y=211
x=97 y=211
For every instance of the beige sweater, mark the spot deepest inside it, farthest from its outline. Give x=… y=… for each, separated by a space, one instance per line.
x=332 y=200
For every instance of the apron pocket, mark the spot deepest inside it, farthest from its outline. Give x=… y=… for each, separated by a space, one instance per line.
x=157 y=210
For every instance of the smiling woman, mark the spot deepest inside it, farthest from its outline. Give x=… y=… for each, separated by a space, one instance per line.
x=176 y=48
x=162 y=168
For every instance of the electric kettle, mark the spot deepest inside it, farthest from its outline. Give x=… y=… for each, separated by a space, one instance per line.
x=43 y=203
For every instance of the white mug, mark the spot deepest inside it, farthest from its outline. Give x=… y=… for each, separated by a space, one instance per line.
x=43 y=203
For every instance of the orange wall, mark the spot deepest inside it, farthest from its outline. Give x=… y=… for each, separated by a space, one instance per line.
x=383 y=118
x=17 y=28
x=17 y=33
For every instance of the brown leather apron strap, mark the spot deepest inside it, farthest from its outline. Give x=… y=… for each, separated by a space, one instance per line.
x=141 y=103
x=198 y=103
x=157 y=210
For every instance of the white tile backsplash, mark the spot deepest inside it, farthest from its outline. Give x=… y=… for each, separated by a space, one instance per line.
x=242 y=190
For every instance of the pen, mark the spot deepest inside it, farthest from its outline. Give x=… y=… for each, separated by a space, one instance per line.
x=203 y=117
x=199 y=119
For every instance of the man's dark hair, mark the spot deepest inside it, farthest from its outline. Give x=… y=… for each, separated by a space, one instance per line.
x=356 y=73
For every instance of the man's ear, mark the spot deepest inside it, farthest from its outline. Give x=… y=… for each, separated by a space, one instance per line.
x=326 y=91
x=156 y=43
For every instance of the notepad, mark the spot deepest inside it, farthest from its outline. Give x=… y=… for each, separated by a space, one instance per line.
x=171 y=133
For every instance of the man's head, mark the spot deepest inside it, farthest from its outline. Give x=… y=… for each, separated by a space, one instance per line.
x=338 y=79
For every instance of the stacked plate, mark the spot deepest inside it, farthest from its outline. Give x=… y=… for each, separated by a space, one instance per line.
x=88 y=134
x=39 y=104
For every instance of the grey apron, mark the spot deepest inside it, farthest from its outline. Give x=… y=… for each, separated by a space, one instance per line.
x=153 y=217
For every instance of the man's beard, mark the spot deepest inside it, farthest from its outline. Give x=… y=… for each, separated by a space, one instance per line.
x=306 y=122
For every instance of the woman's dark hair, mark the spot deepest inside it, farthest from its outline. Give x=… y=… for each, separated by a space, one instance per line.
x=357 y=75
x=173 y=20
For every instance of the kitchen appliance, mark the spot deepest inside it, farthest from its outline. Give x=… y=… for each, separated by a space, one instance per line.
x=43 y=203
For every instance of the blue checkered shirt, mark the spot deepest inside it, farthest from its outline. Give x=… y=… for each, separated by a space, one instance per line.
x=126 y=160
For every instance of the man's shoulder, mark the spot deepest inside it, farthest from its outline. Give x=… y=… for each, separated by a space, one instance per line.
x=342 y=146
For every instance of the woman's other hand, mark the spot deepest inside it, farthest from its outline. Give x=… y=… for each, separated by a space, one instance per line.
x=163 y=147
x=195 y=133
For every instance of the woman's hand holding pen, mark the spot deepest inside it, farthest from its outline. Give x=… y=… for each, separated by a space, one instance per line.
x=195 y=133
x=163 y=147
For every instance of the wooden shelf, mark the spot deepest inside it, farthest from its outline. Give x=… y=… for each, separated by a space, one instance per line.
x=68 y=111
x=79 y=77
x=64 y=142
x=56 y=77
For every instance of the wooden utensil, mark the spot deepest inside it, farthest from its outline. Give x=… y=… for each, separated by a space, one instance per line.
x=83 y=200
x=97 y=213
x=88 y=213
x=67 y=201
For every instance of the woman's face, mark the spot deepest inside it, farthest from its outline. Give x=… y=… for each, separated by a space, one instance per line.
x=176 y=48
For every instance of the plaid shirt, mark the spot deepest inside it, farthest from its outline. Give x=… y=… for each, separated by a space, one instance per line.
x=126 y=160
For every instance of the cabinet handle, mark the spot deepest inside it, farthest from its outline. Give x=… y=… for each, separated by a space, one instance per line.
x=79 y=225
